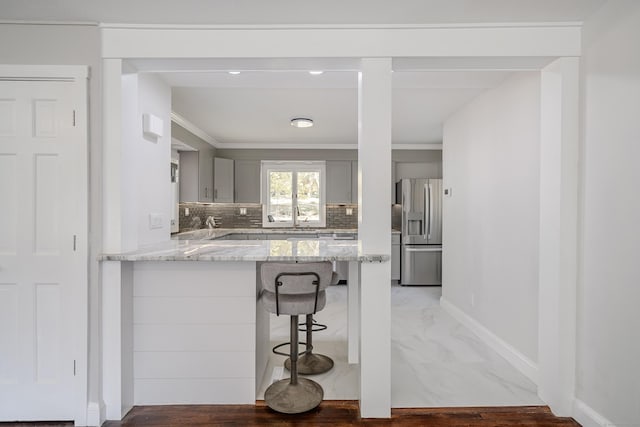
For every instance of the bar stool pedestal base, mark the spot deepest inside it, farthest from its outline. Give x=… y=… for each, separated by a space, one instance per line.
x=311 y=364
x=288 y=398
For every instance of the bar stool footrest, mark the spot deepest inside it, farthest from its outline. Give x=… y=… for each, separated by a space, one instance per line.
x=309 y=348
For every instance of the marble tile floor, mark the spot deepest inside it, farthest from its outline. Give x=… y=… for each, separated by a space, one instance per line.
x=435 y=361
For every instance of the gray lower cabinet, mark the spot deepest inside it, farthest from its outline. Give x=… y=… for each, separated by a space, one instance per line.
x=247 y=181
x=196 y=176
x=395 y=257
x=223 y=177
x=338 y=181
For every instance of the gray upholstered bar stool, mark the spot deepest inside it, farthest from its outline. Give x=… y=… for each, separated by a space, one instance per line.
x=294 y=289
x=311 y=363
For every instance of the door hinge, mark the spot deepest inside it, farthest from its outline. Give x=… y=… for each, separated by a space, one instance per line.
x=74 y=117
x=74 y=242
x=74 y=368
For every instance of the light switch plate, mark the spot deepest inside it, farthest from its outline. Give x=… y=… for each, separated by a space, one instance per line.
x=155 y=221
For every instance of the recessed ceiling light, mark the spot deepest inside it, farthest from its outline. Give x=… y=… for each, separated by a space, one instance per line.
x=234 y=72
x=316 y=72
x=301 y=122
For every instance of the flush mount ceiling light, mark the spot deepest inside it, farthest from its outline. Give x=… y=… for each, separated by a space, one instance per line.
x=316 y=72
x=301 y=122
x=234 y=72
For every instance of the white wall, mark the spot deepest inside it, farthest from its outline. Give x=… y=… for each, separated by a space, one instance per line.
x=490 y=229
x=608 y=370
x=146 y=160
x=72 y=45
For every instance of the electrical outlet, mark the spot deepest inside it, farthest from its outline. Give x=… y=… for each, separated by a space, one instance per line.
x=349 y=211
x=186 y=211
x=243 y=211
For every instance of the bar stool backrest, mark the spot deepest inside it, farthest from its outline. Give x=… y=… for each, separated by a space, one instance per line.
x=296 y=278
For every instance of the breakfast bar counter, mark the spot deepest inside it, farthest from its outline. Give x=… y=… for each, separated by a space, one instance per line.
x=295 y=249
x=186 y=325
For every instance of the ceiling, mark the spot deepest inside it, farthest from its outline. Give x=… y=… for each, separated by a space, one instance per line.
x=296 y=12
x=254 y=108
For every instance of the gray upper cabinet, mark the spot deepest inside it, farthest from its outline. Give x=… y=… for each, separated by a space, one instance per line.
x=196 y=176
x=247 y=181
x=223 y=177
x=338 y=181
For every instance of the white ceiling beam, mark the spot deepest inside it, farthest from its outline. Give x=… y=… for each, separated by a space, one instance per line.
x=452 y=41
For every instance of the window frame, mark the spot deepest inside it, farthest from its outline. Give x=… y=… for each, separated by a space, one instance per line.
x=267 y=166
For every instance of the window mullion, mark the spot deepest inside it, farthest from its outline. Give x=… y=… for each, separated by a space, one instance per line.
x=294 y=199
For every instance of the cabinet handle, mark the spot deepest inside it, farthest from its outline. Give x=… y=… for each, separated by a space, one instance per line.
x=215 y=193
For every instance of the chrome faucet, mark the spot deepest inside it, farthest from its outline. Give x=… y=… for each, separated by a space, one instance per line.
x=196 y=223
x=211 y=223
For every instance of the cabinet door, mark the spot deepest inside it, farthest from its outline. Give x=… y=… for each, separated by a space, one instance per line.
x=247 y=181
x=338 y=181
x=223 y=180
x=205 y=163
x=189 y=176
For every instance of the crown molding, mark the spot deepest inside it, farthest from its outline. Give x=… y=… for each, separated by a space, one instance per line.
x=179 y=120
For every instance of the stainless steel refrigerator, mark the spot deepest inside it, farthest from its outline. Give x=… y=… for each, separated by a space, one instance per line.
x=421 y=254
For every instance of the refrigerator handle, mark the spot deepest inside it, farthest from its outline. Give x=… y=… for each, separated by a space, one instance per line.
x=430 y=211
x=425 y=225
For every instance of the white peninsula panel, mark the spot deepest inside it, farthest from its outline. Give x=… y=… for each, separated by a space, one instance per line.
x=195 y=333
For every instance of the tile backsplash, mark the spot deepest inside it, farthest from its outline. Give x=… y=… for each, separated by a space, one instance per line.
x=337 y=216
x=228 y=215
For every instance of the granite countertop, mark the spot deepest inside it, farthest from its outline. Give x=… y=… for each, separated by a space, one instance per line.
x=197 y=246
x=214 y=233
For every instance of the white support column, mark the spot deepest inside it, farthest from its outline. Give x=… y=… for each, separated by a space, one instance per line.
x=374 y=225
x=112 y=155
x=353 y=313
x=117 y=354
x=559 y=139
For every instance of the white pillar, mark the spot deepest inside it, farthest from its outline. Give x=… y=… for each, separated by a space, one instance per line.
x=112 y=155
x=353 y=313
x=374 y=231
x=559 y=138
x=116 y=327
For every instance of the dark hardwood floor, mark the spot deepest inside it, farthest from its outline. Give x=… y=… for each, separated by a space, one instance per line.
x=329 y=413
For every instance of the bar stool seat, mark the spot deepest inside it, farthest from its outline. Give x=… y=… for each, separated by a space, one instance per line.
x=294 y=289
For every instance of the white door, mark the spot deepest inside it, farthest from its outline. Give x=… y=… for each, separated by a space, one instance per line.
x=41 y=270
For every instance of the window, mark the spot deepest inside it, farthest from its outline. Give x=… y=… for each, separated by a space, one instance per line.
x=293 y=194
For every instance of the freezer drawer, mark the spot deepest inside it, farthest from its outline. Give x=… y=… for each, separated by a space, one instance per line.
x=421 y=265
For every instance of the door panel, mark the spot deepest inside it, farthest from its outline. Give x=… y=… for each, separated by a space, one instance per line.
x=41 y=273
x=421 y=265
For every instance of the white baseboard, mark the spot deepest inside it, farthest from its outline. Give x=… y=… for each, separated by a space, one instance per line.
x=522 y=363
x=95 y=414
x=586 y=416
